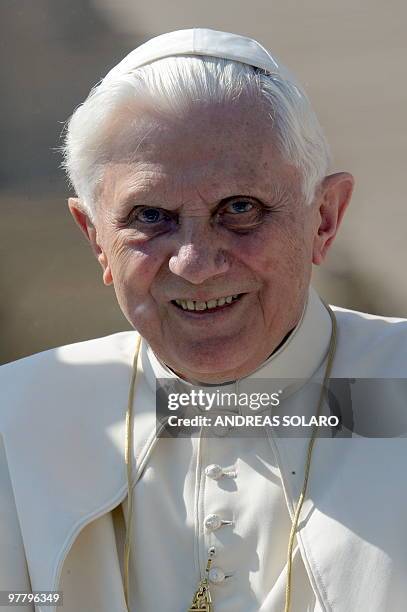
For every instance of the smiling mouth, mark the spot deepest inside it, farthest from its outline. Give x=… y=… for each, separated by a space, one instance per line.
x=209 y=306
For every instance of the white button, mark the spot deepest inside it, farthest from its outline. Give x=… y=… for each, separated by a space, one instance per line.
x=216 y=575
x=214 y=471
x=212 y=522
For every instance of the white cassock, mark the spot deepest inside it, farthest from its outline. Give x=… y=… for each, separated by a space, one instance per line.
x=63 y=483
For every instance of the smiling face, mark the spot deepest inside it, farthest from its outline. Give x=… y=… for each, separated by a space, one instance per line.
x=206 y=210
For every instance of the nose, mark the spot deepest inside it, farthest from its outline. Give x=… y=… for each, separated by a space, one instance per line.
x=199 y=259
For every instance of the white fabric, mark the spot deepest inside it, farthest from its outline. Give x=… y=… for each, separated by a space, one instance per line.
x=199 y=41
x=172 y=500
x=62 y=474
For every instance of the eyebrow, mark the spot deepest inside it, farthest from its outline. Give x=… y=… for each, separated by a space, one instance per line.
x=279 y=194
x=136 y=199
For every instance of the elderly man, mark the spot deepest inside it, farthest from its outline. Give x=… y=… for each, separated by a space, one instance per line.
x=202 y=184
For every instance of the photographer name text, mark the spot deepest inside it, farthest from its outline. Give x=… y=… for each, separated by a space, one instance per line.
x=250 y=420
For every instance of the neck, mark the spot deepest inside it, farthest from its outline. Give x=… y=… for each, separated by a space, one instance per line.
x=226 y=380
x=283 y=341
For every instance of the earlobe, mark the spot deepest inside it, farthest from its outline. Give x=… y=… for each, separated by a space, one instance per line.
x=107 y=273
x=107 y=277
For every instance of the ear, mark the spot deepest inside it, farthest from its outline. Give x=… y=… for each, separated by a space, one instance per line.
x=88 y=229
x=333 y=199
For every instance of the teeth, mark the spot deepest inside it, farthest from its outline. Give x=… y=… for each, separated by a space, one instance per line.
x=197 y=305
x=211 y=303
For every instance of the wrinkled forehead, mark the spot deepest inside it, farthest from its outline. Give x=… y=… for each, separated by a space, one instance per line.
x=136 y=128
x=202 y=146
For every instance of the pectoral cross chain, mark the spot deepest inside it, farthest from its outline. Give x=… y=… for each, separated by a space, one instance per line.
x=202 y=601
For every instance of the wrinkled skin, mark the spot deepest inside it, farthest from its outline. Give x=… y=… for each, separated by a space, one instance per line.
x=206 y=207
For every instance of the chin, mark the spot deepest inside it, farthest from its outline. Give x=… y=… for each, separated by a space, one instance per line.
x=208 y=362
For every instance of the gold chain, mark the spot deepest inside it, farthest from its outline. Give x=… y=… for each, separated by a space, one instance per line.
x=294 y=526
x=328 y=369
x=129 y=460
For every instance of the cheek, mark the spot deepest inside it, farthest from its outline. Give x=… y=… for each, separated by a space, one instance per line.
x=134 y=271
x=276 y=252
x=134 y=265
x=280 y=258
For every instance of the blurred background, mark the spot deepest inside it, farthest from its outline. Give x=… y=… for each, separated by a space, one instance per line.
x=350 y=57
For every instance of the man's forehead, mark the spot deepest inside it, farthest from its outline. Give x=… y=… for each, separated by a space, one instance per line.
x=142 y=128
x=212 y=152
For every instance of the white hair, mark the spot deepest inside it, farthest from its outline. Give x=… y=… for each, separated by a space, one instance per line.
x=172 y=83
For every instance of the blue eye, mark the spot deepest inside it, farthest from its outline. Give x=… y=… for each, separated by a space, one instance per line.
x=240 y=206
x=150 y=220
x=241 y=214
x=150 y=215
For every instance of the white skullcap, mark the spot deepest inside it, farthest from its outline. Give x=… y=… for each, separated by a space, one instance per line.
x=199 y=41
